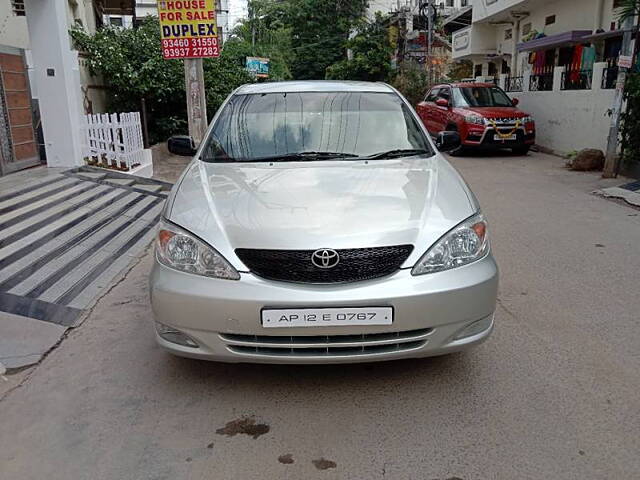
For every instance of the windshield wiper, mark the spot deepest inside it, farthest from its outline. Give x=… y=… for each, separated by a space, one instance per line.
x=398 y=152
x=302 y=156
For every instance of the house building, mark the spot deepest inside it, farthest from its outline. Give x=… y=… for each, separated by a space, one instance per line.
x=513 y=36
x=558 y=57
x=26 y=91
x=45 y=85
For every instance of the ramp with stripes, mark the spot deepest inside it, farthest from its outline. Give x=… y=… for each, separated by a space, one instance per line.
x=65 y=234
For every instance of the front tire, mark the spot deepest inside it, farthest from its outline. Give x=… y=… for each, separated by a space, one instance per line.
x=461 y=150
x=521 y=151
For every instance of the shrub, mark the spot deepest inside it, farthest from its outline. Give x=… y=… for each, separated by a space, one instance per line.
x=131 y=64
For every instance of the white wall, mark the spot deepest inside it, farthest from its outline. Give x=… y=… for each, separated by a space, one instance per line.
x=482 y=9
x=478 y=39
x=13 y=29
x=570 y=14
x=570 y=119
x=504 y=46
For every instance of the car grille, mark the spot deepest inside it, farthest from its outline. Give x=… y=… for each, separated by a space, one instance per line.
x=326 y=345
x=295 y=265
x=505 y=121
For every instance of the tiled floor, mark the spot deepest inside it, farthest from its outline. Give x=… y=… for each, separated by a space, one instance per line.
x=65 y=234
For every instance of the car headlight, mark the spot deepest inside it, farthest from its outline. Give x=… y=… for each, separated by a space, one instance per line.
x=526 y=120
x=462 y=245
x=474 y=119
x=177 y=248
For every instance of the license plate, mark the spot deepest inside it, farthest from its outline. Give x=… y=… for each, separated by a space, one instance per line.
x=510 y=137
x=326 y=317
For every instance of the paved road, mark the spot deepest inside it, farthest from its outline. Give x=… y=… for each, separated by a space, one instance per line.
x=552 y=395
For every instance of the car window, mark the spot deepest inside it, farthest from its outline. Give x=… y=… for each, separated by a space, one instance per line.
x=433 y=94
x=480 y=97
x=444 y=93
x=355 y=124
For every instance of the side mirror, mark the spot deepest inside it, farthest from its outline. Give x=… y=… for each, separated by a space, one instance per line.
x=442 y=102
x=447 y=141
x=181 y=145
x=515 y=102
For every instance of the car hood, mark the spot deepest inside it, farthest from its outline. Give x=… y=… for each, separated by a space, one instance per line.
x=324 y=204
x=497 y=112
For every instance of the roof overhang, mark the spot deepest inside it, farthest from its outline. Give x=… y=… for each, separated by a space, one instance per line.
x=460 y=19
x=611 y=34
x=571 y=37
x=116 y=7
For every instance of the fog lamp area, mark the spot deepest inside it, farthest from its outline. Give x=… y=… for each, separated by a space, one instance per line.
x=475 y=328
x=172 y=335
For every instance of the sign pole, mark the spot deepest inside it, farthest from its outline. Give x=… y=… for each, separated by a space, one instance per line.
x=196 y=98
x=188 y=31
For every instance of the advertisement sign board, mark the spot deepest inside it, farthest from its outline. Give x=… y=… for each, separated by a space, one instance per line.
x=258 y=66
x=188 y=28
x=625 y=61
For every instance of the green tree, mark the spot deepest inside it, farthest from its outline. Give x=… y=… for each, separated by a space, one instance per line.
x=630 y=120
x=264 y=34
x=413 y=83
x=371 y=54
x=460 y=70
x=131 y=64
x=319 y=30
x=628 y=8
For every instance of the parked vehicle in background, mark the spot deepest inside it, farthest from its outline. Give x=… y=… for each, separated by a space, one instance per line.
x=318 y=223
x=482 y=113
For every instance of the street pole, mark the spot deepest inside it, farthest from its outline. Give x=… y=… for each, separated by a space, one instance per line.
x=196 y=99
x=429 y=39
x=611 y=158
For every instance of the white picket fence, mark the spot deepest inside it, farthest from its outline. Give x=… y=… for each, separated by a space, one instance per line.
x=114 y=140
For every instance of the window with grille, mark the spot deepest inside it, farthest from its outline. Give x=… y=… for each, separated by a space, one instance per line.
x=18 y=7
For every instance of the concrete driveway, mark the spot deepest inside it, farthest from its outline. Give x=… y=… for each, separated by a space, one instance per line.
x=552 y=395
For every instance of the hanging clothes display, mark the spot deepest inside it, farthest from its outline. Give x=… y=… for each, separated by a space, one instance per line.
x=576 y=63
x=538 y=66
x=588 y=58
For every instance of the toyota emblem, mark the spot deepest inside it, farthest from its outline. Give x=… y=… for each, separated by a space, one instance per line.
x=325 y=258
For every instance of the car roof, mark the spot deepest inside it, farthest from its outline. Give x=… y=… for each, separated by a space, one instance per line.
x=467 y=84
x=314 y=86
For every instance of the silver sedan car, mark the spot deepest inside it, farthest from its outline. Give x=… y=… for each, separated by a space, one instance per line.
x=318 y=223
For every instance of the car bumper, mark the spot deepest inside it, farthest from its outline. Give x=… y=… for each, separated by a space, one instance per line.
x=487 y=138
x=223 y=316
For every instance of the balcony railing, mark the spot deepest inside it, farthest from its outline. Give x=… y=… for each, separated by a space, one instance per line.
x=576 y=80
x=541 y=83
x=513 y=84
x=609 y=78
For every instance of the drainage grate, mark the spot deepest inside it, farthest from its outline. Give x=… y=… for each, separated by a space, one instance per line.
x=633 y=186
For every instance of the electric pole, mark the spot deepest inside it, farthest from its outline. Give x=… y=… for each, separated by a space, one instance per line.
x=611 y=159
x=429 y=40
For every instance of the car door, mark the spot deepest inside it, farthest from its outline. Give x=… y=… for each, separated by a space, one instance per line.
x=427 y=109
x=441 y=114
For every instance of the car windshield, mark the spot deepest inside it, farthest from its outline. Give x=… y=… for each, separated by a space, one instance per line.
x=480 y=97
x=314 y=126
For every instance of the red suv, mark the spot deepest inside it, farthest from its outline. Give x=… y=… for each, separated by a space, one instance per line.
x=481 y=113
